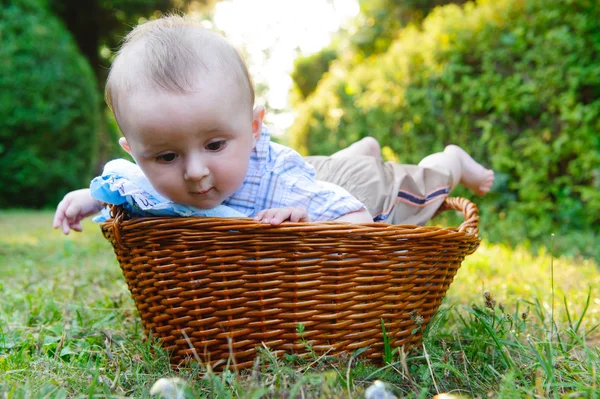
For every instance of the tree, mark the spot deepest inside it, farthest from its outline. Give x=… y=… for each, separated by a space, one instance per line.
x=371 y=33
x=48 y=107
x=98 y=27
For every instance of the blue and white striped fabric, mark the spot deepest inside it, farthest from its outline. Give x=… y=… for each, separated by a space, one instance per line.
x=123 y=183
x=278 y=177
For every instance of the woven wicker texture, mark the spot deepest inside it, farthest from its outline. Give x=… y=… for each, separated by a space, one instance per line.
x=220 y=279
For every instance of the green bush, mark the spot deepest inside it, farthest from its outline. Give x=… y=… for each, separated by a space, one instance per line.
x=308 y=70
x=371 y=33
x=49 y=108
x=515 y=82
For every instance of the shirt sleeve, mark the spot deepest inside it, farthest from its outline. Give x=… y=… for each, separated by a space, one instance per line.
x=293 y=184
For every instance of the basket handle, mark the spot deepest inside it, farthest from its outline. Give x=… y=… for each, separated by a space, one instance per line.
x=468 y=209
x=118 y=214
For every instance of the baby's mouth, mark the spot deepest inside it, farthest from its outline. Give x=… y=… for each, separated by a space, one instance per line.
x=200 y=192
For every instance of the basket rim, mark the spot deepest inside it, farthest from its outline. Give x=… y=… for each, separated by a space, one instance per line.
x=120 y=222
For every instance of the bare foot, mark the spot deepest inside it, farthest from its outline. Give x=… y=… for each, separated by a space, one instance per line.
x=474 y=176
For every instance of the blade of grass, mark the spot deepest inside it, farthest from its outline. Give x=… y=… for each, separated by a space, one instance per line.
x=492 y=333
x=437 y=390
x=585 y=309
x=552 y=285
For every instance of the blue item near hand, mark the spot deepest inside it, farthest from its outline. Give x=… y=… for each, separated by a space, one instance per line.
x=123 y=183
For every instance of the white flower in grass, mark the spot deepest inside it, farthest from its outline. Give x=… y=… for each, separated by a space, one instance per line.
x=378 y=390
x=169 y=388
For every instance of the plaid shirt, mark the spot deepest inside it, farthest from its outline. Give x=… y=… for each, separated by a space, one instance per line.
x=278 y=177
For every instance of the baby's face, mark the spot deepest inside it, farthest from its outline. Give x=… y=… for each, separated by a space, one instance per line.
x=194 y=148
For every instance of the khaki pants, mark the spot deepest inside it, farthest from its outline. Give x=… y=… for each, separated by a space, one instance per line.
x=393 y=193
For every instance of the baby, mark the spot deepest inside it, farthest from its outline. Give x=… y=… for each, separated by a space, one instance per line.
x=184 y=100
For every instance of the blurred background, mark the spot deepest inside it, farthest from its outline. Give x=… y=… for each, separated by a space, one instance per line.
x=515 y=82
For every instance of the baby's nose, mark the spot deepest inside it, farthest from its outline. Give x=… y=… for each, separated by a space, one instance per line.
x=195 y=170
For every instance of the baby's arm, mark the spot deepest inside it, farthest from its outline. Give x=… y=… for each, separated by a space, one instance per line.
x=296 y=196
x=360 y=216
x=73 y=208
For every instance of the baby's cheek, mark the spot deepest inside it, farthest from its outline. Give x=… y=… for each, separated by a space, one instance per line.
x=165 y=186
x=234 y=178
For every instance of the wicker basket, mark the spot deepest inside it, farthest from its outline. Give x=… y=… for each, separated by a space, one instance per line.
x=233 y=284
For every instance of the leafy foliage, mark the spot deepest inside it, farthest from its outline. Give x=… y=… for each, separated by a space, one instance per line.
x=371 y=33
x=515 y=82
x=98 y=27
x=49 y=107
x=308 y=70
x=380 y=20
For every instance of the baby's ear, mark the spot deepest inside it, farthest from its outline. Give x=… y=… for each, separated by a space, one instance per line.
x=257 y=119
x=124 y=145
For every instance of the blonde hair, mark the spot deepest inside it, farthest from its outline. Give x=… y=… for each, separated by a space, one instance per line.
x=172 y=54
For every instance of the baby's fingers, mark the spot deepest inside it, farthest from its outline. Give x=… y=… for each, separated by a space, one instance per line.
x=77 y=227
x=59 y=214
x=58 y=220
x=279 y=216
x=68 y=220
x=66 y=228
x=299 y=215
x=259 y=216
x=267 y=215
x=74 y=225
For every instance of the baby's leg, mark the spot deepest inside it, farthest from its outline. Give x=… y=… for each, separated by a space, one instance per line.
x=465 y=170
x=365 y=146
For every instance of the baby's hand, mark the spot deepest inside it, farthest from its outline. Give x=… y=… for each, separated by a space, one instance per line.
x=277 y=215
x=73 y=208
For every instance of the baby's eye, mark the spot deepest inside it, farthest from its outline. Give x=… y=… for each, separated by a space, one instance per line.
x=167 y=158
x=216 y=145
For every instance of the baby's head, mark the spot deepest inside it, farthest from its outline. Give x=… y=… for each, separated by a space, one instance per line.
x=175 y=55
x=184 y=101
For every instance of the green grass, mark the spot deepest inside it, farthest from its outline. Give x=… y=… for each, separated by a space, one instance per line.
x=68 y=328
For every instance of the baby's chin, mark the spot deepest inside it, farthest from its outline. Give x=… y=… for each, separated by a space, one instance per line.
x=203 y=204
x=200 y=200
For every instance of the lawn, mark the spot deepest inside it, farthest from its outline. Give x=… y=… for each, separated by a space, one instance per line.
x=513 y=324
